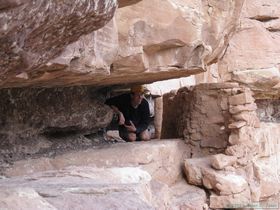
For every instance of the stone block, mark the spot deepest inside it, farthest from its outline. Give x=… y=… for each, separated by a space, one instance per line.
x=149 y=155
x=236 y=125
x=222 y=182
x=241 y=99
x=240 y=108
x=250 y=118
x=185 y=196
x=230 y=201
x=220 y=161
x=193 y=167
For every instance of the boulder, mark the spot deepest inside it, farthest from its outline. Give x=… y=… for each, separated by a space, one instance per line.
x=252 y=57
x=185 y=196
x=92 y=43
x=23 y=198
x=240 y=108
x=241 y=99
x=268 y=176
x=250 y=118
x=34 y=33
x=79 y=187
x=224 y=183
x=26 y=113
x=149 y=155
x=193 y=169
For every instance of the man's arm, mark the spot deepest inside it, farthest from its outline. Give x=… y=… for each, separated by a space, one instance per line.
x=115 y=103
x=120 y=114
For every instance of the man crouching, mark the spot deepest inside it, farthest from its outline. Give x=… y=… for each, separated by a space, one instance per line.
x=134 y=114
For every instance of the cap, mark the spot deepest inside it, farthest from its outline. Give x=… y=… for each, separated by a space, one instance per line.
x=138 y=89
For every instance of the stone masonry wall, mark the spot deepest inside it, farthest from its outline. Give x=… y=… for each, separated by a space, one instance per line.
x=244 y=171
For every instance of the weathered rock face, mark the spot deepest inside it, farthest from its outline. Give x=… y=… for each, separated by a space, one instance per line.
x=39 y=111
x=85 y=187
x=148 y=176
x=204 y=118
x=148 y=44
x=252 y=57
x=30 y=118
x=242 y=173
x=149 y=156
x=97 y=188
x=51 y=48
x=35 y=32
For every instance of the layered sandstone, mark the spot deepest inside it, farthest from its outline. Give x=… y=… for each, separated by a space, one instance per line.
x=34 y=121
x=232 y=139
x=50 y=48
x=35 y=32
x=122 y=176
x=252 y=56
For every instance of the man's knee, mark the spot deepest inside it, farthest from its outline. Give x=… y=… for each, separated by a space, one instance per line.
x=145 y=135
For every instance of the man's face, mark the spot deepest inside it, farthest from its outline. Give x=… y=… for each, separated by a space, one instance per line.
x=136 y=98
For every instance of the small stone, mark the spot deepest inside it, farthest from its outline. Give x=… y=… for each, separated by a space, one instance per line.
x=241 y=99
x=236 y=125
x=239 y=108
x=220 y=161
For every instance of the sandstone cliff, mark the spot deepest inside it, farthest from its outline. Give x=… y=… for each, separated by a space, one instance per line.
x=60 y=60
x=58 y=44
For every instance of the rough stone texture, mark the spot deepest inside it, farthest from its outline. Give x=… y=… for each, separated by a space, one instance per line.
x=254 y=149
x=172 y=114
x=158 y=117
x=220 y=161
x=75 y=188
x=199 y=172
x=203 y=116
x=177 y=38
x=267 y=139
x=29 y=112
x=50 y=48
x=223 y=183
x=97 y=188
x=23 y=198
x=187 y=197
x=268 y=176
x=148 y=44
x=252 y=56
x=268 y=110
x=50 y=121
x=35 y=32
x=162 y=159
x=239 y=108
x=193 y=169
x=241 y=99
x=266 y=167
x=124 y=3
x=148 y=176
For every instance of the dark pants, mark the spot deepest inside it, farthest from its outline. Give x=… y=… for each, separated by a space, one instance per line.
x=124 y=133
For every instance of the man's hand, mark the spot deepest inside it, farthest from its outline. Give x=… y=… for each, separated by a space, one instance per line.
x=130 y=127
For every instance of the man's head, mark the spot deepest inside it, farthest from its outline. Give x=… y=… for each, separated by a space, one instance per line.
x=137 y=94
